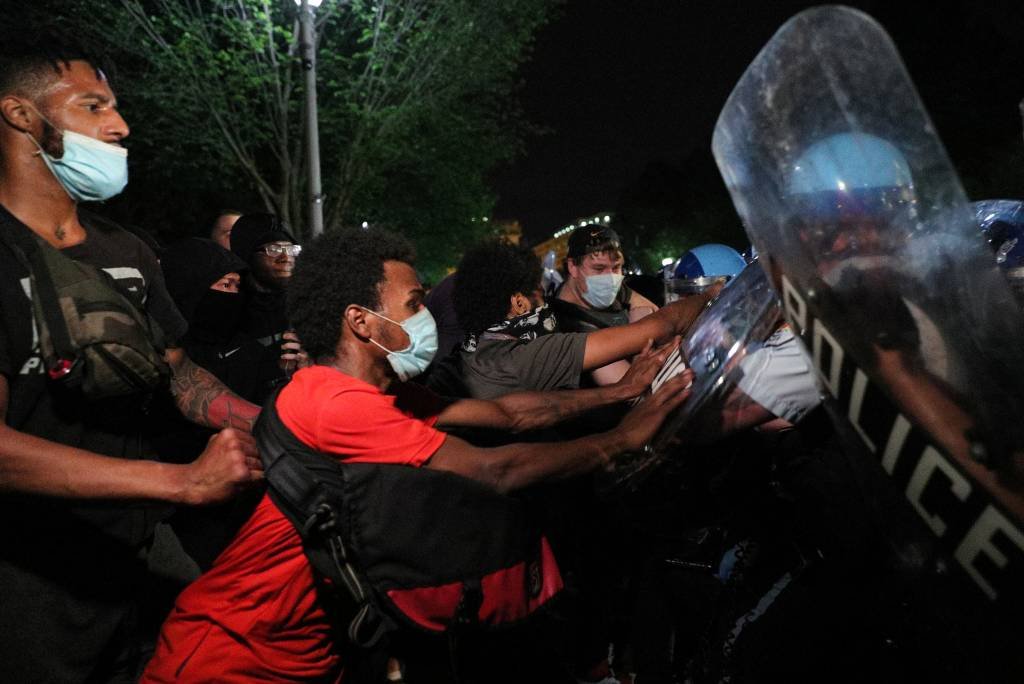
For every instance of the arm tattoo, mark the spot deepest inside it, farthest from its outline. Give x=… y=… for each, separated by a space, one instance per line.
x=204 y=399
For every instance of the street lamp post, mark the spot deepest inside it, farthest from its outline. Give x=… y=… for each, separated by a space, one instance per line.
x=307 y=46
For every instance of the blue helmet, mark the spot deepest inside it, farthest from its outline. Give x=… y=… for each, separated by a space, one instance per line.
x=1002 y=222
x=700 y=268
x=851 y=176
x=849 y=163
x=711 y=260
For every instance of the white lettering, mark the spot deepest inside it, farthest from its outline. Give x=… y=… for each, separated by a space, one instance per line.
x=860 y=384
x=794 y=305
x=931 y=461
x=33 y=364
x=979 y=541
x=831 y=378
x=894 y=445
x=124 y=273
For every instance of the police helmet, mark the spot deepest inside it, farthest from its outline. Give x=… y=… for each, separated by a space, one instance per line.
x=851 y=175
x=1002 y=222
x=703 y=266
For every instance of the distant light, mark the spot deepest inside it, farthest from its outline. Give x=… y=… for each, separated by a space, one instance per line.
x=485 y=219
x=607 y=218
x=667 y=261
x=312 y=3
x=365 y=225
x=841 y=185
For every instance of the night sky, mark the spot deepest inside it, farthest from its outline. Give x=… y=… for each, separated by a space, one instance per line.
x=619 y=85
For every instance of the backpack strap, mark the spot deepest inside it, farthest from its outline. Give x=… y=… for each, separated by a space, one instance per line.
x=7 y=240
x=42 y=281
x=42 y=285
x=296 y=480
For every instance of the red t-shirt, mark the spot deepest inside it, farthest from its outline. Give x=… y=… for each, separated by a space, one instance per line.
x=254 y=617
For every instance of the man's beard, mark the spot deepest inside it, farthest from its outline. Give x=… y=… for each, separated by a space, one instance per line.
x=52 y=141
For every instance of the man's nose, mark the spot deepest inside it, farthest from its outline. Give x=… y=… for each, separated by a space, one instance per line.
x=117 y=128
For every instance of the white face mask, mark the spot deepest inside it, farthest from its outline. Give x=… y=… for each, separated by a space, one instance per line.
x=414 y=359
x=90 y=170
x=602 y=289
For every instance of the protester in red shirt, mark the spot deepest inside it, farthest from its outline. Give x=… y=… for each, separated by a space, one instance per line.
x=357 y=304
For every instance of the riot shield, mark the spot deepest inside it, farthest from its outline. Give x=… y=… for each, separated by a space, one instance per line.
x=744 y=314
x=863 y=227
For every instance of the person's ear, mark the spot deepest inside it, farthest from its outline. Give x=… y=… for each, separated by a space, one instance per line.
x=573 y=267
x=515 y=305
x=17 y=114
x=357 y=321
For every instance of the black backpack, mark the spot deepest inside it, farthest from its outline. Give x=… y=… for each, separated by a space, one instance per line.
x=397 y=545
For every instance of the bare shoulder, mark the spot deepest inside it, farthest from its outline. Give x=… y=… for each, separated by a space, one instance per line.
x=637 y=301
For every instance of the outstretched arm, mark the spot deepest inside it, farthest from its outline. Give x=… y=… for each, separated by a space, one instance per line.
x=32 y=465
x=621 y=342
x=515 y=466
x=521 y=411
x=204 y=399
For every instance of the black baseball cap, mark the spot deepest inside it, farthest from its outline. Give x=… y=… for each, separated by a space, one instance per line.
x=593 y=238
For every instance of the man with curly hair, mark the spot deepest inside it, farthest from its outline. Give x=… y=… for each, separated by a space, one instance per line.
x=357 y=304
x=512 y=344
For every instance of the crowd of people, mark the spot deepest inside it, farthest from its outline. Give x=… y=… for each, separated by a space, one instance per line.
x=457 y=535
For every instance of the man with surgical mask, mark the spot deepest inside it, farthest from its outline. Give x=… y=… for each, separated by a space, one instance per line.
x=594 y=296
x=355 y=300
x=77 y=475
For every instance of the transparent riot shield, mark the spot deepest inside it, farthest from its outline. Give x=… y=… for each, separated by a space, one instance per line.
x=863 y=227
x=743 y=315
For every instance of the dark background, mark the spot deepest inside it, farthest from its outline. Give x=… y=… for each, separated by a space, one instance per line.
x=628 y=94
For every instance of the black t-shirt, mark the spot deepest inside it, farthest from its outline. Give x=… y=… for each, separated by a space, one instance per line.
x=37 y=407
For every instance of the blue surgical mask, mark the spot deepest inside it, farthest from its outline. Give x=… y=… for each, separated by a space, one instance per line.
x=90 y=170
x=602 y=289
x=414 y=359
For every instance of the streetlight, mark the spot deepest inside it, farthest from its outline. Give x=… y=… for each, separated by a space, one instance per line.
x=307 y=47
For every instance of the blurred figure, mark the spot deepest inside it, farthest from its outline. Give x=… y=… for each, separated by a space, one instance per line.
x=220 y=230
x=449 y=333
x=1002 y=222
x=552 y=279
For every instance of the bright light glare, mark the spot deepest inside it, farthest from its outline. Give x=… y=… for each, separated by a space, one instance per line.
x=667 y=261
x=312 y=3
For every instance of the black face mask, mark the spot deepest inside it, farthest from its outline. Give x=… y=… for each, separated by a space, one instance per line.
x=217 y=316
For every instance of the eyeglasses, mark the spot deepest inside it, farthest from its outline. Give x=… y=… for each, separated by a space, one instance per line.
x=278 y=250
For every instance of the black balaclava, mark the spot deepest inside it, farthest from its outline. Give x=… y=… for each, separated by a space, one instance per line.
x=190 y=268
